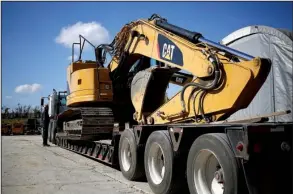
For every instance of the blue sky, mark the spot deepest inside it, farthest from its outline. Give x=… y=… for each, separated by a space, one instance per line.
x=31 y=54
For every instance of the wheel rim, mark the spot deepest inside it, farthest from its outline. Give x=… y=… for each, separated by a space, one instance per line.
x=156 y=163
x=126 y=155
x=208 y=174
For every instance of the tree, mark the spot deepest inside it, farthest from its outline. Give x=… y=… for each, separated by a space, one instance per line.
x=4 y=112
x=26 y=110
x=37 y=111
x=19 y=110
x=3 y=109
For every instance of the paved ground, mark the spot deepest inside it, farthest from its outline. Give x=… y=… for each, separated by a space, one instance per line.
x=29 y=168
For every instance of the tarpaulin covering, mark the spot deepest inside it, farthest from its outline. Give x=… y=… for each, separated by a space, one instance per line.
x=276 y=93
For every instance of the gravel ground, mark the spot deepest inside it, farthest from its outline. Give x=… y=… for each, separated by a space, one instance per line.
x=28 y=167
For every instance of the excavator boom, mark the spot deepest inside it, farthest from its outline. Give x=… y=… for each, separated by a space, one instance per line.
x=221 y=80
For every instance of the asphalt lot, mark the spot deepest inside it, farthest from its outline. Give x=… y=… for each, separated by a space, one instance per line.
x=30 y=168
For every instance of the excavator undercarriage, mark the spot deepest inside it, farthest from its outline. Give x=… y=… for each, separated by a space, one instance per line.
x=89 y=123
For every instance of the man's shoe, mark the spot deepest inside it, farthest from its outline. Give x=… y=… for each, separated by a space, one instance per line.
x=46 y=145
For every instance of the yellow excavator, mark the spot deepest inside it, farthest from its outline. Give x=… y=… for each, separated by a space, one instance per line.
x=84 y=111
x=183 y=144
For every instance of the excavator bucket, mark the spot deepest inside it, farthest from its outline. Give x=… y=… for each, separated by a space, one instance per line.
x=144 y=96
x=138 y=89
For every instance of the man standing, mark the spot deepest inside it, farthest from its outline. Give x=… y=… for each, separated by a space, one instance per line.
x=46 y=121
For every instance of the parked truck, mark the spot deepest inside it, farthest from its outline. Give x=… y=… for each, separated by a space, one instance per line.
x=56 y=103
x=119 y=114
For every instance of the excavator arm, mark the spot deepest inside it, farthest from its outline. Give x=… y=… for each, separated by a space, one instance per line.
x=219 y=80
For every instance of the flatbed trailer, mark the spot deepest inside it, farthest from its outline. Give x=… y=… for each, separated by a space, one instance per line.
x=262 y=152
x=223 y=157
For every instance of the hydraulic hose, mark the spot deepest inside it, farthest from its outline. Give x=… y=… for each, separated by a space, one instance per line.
x=201 y=106
x=203 y=87
x=195 y=115
x=211 y=86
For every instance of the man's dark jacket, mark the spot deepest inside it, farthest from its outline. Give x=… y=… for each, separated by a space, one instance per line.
x=46 y=118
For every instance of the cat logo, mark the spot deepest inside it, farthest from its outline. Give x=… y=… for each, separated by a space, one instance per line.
x=168 y=51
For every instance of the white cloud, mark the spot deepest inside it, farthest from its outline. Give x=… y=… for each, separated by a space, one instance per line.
x=92 y=31
x=27 y=88
x=8 y=97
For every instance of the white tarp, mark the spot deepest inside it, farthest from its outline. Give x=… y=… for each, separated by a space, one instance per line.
x=276 y=93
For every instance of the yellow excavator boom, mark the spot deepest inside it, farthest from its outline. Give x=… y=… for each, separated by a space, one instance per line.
x=221 y=80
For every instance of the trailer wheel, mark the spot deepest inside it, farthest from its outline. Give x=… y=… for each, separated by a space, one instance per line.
x=131 y=164
x=211 y=166
x=160 y=164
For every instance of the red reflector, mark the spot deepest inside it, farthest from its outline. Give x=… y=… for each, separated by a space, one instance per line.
x=239 y=147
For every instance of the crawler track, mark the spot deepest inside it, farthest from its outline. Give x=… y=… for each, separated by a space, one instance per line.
x=89 y=123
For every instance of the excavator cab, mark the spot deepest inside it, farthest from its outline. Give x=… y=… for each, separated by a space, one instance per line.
x=88 y=81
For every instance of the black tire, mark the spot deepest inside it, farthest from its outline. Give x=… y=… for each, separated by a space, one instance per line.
x=173 y=179
x=136 y=170
x=218 y=144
